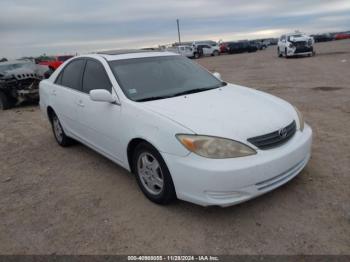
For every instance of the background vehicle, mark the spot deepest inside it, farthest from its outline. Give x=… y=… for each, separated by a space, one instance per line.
x=241 y=47
x=184 y=50
x=256 y=44
x=206 y=48
x=224 y=47
x=55 y=61
x=295 y=44
x=19 y=82
x=342 y=36
x=322 y=37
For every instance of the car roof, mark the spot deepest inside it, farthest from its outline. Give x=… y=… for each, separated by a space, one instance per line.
x=129 y=54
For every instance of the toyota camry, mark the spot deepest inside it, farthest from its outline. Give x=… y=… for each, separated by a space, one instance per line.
x=182 y=131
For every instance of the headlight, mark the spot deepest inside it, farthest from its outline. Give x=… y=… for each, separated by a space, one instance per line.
x=214 y=147
x=301 y=119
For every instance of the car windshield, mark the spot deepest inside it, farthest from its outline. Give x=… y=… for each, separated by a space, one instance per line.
x=293 y=36
x=151 y=78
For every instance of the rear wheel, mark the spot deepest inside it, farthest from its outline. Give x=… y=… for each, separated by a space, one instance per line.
x=196 y=55
x=4 y=101
x=60 y=136
x=216 y=53
x=152 y=174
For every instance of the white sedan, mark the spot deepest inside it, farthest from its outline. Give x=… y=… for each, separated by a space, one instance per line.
x=181 y=130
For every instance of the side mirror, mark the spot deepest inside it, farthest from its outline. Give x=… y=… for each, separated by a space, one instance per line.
x=101 y=95
x=217 y=75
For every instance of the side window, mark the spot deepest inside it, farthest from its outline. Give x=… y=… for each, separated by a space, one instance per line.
x=95 y=77
x=71 y=75
x=59 y=78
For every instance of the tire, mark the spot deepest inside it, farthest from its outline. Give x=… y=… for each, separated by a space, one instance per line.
x=216 y=53
x=152 y=174
x=5 y=102
x=196 y=55
x=278 y=52
x=58 y=132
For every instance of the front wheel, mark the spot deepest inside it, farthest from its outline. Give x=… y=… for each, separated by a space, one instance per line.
x=60 y=136
x=152 y=174
x=279 y=52
x=216 y=53
x=4 y=101
x=196 y=55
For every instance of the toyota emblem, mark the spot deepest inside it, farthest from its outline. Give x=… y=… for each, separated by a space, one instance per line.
x=282 y=132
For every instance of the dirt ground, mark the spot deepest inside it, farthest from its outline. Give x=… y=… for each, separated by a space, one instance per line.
x=74 y=201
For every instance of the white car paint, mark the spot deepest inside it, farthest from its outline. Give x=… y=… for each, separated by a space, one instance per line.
x=210 y=48
x=184 y=50
x=232 y=111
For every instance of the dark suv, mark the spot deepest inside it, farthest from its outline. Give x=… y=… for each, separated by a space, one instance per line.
x=241 y=47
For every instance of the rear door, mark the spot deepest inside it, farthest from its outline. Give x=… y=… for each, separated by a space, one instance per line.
x=207 y=50
x=66 y=92
x=100 y=121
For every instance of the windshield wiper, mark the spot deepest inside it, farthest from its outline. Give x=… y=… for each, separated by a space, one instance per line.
x=152 y=98
x=197 y=90
x=179 y=94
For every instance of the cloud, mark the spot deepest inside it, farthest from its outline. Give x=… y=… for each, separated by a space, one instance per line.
x=66 y=26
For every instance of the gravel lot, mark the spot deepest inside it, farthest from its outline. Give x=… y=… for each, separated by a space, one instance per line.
x=74 y=201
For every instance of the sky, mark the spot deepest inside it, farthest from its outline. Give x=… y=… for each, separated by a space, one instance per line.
x=34 y=27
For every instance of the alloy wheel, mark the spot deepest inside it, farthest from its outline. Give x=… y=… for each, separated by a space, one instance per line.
x=150 y=173
x=57 y=129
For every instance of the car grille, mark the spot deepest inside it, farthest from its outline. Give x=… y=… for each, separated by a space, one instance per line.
x=275 y=138
x=303 y=49
x=300 y=43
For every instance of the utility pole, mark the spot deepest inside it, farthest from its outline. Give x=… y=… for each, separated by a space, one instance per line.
x=178 y=30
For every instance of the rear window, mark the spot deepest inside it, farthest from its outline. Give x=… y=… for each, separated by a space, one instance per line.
x=294 y=36
x=71 y=75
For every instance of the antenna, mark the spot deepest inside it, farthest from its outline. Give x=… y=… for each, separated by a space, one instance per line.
x=178 y=30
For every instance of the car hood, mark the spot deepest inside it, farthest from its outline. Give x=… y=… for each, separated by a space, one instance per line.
x=27 y=71
x=232 y=111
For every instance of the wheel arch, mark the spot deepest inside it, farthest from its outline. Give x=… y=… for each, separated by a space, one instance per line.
x=133 y=143
x=50 y=112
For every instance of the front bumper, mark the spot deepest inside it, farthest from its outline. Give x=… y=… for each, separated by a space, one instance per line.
x=296 y=51
x=226 y=182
